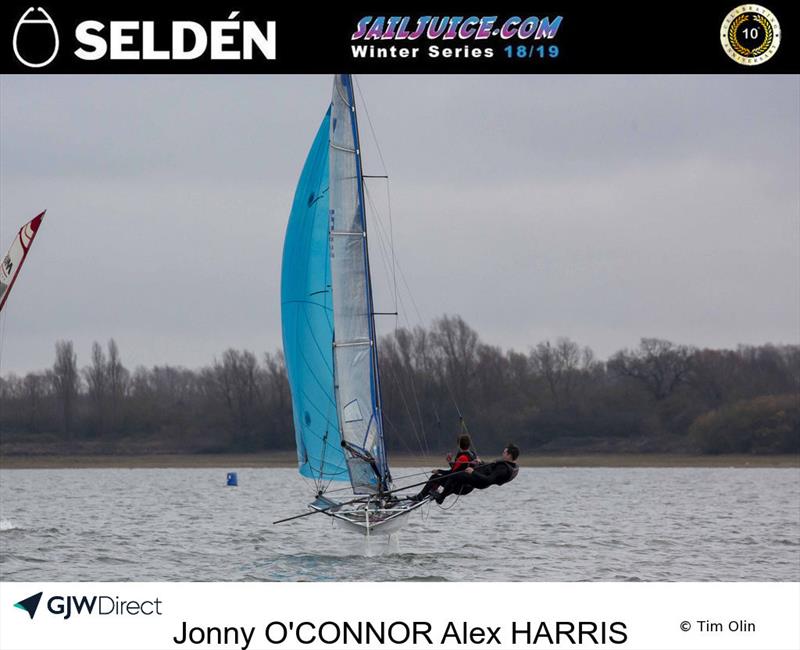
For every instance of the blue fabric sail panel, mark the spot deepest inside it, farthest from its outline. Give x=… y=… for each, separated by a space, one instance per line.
x=355 y=346
x=307 y=319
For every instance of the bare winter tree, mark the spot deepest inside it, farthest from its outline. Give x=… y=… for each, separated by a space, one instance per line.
x=96 y=376
x=659 y=365
x=278 y=401
x=560 y=365
x=35 y=392
x=456 y=345
x=558 y=396
x=118 y=380
x=66 y=382
x=237 y=382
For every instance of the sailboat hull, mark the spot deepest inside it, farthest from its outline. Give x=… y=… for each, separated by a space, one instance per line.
x=369 y=518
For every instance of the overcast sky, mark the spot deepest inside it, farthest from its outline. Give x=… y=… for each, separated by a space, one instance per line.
x=600 y=208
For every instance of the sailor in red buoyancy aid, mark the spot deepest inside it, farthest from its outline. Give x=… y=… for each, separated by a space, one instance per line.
x=464 y=457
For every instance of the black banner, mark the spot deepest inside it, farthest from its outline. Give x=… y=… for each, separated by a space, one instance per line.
x=264 y=38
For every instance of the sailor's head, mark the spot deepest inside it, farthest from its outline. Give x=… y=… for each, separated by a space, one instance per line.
x=511 y=453
x=464 y=441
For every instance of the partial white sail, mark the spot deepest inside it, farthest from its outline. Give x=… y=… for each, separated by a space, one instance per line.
x=11 y=264
x=355 y=351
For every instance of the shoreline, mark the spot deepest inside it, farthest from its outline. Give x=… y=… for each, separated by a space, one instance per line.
x=288 y=459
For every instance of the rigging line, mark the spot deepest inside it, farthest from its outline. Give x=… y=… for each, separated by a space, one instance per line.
x=409 y=372
x=432 y=478
x=423 y=442
x=391 y=246
x=419 y=433
x=452 y=505
x=386 y=172
x=399 y=478
x=382 y=230
x=396 y=429
x=395 y=262
x=369 y=497
x=311 y=460
x=396 y=265
x=322 y=353
x=446 y=381
x=419 y=439
x=425 y=473
x=316 y=512
x=376 y=218
x=369 y=121
x=341 y=489
x=391 y=241
x=330 y=406
x=318 y=482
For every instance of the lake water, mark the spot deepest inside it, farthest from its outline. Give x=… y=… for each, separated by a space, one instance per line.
x=549 y=524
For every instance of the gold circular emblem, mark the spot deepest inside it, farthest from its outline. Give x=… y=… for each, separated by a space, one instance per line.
x=750 y=34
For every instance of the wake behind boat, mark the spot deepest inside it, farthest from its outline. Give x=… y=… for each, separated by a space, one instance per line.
x=329 y=338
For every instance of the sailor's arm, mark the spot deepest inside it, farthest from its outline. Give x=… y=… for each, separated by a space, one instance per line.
x=478 y=479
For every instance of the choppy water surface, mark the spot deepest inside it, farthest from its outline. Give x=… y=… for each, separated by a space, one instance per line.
x=549 y=524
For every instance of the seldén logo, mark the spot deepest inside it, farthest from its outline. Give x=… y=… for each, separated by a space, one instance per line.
x=36 y=40
x=39 y=43
x=68 y=606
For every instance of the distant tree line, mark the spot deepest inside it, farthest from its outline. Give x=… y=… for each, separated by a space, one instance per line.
x=557 y=397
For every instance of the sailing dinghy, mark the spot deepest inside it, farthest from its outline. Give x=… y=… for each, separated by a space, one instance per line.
x=11 y=264
x=329 y=337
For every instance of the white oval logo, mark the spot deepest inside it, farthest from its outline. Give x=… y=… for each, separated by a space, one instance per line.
x=35 y=21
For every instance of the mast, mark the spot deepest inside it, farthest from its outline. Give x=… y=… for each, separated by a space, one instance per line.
x=382 y=460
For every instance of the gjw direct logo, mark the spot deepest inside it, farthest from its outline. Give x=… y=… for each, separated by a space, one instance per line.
x=36 y=40
x=69 y=606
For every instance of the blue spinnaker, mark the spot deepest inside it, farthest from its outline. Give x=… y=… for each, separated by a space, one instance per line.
x=307 y=319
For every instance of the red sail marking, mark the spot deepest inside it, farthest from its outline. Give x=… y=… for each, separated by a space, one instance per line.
x=25 y=238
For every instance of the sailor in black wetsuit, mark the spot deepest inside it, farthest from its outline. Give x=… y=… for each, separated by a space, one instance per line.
x=498 y=472
x=480 y=477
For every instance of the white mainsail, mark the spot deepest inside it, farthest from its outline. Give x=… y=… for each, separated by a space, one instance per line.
x=357 y=384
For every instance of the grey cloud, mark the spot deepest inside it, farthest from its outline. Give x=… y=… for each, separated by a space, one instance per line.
x=602 y=208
